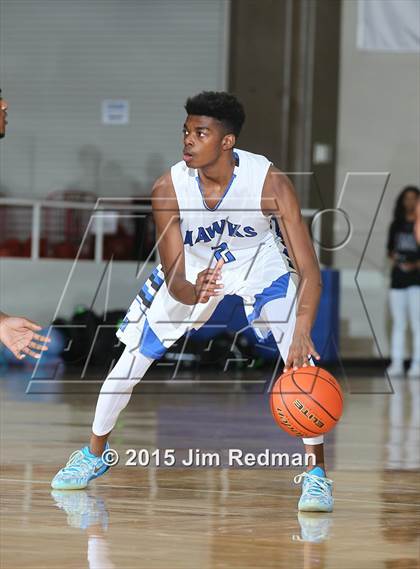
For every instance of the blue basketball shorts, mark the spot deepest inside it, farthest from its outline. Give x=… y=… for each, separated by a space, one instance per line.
x=155 y=320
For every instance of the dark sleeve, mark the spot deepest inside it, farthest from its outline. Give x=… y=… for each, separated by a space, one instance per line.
x=391 y=237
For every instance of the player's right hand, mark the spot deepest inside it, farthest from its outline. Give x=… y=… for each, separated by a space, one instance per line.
x=209 y=283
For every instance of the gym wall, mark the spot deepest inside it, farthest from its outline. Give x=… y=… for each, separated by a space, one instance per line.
x=60 y=60
x=377 y=132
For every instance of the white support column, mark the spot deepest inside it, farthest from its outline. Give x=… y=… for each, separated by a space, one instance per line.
x=99 y=236
x=36 y=230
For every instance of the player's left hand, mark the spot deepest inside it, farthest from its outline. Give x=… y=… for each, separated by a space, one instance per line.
x=300 y=350
x=20 y=336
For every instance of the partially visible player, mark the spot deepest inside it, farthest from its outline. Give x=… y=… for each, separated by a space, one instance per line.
x=16 y=333
x=3 y=116
x=417 y=222
x=404 y=295
x=224 y=217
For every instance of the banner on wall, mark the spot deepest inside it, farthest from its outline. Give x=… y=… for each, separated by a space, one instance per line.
x=389 y=25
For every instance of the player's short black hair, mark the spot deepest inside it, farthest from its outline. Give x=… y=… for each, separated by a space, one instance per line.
x=220 y=105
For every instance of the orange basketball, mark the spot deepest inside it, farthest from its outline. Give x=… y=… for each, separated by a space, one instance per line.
x=307 y=402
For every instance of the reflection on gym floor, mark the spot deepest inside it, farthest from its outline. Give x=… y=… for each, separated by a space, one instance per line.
x=209 y=517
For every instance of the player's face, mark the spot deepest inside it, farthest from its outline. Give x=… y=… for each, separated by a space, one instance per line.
x=203 y=141
x=3 y=117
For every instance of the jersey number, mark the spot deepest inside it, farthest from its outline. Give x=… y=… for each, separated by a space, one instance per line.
x=222 y=252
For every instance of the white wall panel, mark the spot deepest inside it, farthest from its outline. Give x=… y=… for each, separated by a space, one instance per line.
x=60 y=59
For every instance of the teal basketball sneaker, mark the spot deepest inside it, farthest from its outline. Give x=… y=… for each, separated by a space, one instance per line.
x=81 y=467
x=316 y=491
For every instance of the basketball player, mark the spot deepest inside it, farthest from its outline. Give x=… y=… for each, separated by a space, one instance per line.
x=16 y=333
x=220 y=215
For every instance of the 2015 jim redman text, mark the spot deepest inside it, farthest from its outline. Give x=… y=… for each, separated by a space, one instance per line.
x=195 y=457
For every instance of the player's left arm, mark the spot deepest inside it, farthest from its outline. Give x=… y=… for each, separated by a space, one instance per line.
x=279 y=198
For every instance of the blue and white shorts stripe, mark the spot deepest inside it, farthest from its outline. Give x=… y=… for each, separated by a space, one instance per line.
x=155 y=320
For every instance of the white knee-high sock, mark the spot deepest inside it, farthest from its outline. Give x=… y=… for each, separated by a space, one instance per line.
x=319 y=440
x=116 y=390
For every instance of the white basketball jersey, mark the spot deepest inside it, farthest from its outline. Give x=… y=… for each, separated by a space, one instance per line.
x=236 y=228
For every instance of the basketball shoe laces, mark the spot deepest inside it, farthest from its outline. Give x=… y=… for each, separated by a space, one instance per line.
x=317 y=485
x=78 y=463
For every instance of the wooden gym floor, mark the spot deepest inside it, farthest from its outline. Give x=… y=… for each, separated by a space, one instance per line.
x=207 y=517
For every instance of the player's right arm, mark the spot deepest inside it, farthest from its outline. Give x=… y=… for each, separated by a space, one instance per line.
x=171 y=248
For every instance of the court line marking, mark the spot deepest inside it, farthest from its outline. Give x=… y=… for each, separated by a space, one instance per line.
x=237 y=492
